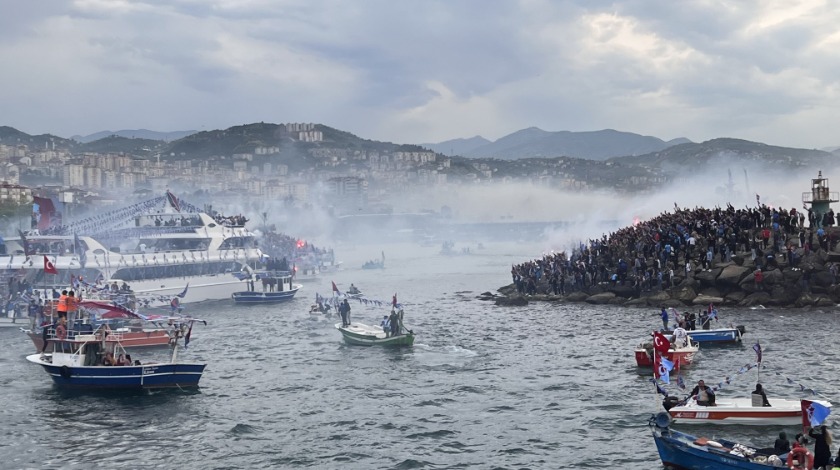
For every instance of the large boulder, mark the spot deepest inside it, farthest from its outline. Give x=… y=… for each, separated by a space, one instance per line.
x=577 y=296
x=642 y=302
x=755 y=299
x=706 y=300
x=625 y=291
x=710 y=292
x=732 y=275
x=822 y=278
x=707 y=278
x=683 y=294
x=784 y=294
x=805 y=300
x=603 y=298
x=773 y=277
x=735 y=297
x=660 y=296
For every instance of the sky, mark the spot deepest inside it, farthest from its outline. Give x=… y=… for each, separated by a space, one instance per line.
x=426 y=71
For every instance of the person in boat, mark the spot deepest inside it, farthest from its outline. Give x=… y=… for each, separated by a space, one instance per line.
x=705 y=395
x=782 y=444
x=664 y=315
x=344 y=311
x=61 y=307
x=109 y=360
x=680 y=337
x=822 y=445
x=121 y=360
x=759 y=392
x=353 y=289
x=692 y=320
x=394 y=321
x=386 y=325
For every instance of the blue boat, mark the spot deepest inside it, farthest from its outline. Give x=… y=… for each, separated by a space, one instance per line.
x=276 y=286
x=718 y=335
x=684 y=451
x=85 y=362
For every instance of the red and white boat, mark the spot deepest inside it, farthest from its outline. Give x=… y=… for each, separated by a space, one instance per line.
x=123 y=326
x=744 y=411
x=681 y=356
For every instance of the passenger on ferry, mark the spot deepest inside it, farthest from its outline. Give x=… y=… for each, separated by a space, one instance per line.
x=61 y=309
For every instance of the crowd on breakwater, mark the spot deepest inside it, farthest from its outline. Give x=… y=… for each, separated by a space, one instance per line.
x=745 y=257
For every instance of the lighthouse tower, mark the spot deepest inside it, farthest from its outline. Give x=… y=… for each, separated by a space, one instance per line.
x=819 y=197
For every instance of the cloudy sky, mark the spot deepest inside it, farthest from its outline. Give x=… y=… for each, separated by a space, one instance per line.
x=426 y=71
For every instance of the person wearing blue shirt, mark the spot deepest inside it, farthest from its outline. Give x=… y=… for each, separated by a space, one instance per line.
x=664 y=318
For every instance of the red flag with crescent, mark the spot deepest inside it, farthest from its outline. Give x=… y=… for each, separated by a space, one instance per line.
x=661 y=343
x=49 y=267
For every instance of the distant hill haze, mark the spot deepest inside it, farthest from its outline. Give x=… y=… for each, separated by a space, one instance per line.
x=134 y=134
x=537 y=143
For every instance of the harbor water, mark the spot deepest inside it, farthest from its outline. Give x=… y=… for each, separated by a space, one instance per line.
x=548 y=385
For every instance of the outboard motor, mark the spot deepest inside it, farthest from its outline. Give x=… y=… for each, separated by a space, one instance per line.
x=670 y=402
x=662 y=420
x=741 y=329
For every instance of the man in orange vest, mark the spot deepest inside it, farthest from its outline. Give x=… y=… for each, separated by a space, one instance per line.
x=61 y=308
x=72 y=305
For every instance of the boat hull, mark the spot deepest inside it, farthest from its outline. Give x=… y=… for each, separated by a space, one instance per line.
x=680 y=451
x=782 y=412
x=201 y=288
x=680 y=358
x=720 y=335
x=358 y=334
x=141 y=377
x=252 y=298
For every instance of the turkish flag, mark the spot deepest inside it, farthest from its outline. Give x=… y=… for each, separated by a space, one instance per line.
x=661 y=343
x=49 y=267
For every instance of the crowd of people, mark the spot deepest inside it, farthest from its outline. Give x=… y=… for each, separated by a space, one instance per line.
x=651 y=254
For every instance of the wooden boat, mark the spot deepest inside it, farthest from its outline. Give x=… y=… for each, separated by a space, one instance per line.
x=360 y=334
x=744 y=411
x=79 y=363
x=277 y=286
x=680 y=356
x=684 y=451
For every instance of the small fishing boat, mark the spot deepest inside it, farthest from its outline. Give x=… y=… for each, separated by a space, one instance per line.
x=375 y=264
x=360 y=334
x=277 y=286
x=684 y=451
x=744 y=411
x=83 y=362
x=718 y=335
x=681 y=356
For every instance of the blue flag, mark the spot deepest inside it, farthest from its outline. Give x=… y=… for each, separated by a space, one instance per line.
x=814 y=413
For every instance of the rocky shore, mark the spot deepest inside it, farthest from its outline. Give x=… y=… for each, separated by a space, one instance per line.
x=810 y=283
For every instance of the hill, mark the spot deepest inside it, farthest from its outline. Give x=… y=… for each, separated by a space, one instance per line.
x=12 y=136
x=134 y=134
x=457 y=146
x=683 y=156
x=117 y=144
x=595 y=145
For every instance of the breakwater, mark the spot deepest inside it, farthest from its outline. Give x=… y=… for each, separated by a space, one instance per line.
x=741 y=258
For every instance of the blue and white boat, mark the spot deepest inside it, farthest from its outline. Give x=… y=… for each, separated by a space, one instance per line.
x=266 y=288
x=83 y=362
x=684 y=451
x=718 y=335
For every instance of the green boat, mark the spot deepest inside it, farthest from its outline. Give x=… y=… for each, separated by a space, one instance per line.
x=359 y=334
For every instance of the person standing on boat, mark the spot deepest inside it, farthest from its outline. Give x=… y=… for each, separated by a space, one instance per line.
x=386 y=325
x=680 y=337
x=822 y=445
x=344 y=311
x=61 y=308
x=759 y=392
x=705 y=395
x=394 y=322
x=664 y=315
